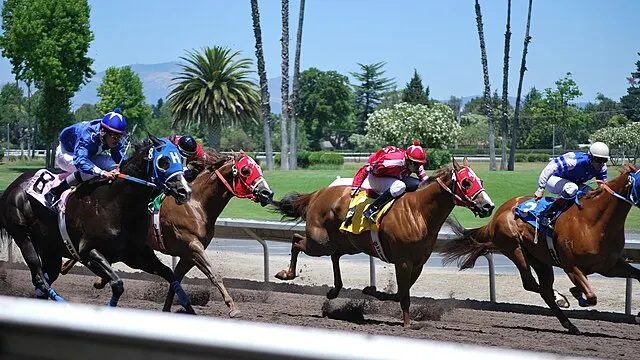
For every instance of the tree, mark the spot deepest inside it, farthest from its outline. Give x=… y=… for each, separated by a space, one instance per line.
x=12 y=114
x=157 y=108
x=414 y=92
x=390 y=98
x=435 y=126
x=602 y=111
x=213 y=85
x=624 y=141
x=558 y=104
x=505 y=89
x=286 y=109
x=326 y=107
x=369 y=92
x=122 y=88
x=264 y=89
x=487 y=89
x=87 y=112
x=295 y=96
x=47 y=42
x=631 y=102
x=161 y=119
x=455 y=103
x=523 y=68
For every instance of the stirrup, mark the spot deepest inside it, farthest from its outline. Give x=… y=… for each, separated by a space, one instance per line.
x=371 y=216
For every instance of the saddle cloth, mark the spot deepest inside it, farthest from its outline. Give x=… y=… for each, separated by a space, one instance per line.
x=532 y=212
x=42 y=182
x=358 y=205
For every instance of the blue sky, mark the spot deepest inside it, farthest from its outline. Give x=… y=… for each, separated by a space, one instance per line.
x=595 y=40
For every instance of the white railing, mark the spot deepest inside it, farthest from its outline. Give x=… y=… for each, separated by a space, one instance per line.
x=36 y=329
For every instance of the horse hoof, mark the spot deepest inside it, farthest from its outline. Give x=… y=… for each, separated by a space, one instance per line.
x=99 y=284
x=284 y=275
x=185 y=312
x=235 y=314
x=332 y=294
x=369 y=290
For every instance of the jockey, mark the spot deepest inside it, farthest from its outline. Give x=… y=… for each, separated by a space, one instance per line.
x=564 y=174
x=190 y=150
x=388 y=171
x=81 y=151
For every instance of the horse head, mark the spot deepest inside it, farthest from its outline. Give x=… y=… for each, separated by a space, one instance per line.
x=469 y=190
x=161 y=162
x=630 y=186
x=247 y=179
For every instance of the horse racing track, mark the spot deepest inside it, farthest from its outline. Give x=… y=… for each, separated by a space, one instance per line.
x=605 y=334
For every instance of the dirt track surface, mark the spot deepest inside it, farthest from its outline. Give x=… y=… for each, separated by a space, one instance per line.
x=522 y=327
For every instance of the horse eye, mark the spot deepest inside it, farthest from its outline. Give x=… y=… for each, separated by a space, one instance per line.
x=245 y=171
x=164 y=163
x=466 y=184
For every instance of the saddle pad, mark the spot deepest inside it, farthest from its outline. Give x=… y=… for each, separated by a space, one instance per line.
x=358 y=223
x=42 y=182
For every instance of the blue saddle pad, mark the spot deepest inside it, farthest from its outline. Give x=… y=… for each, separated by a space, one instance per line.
x=531 y=210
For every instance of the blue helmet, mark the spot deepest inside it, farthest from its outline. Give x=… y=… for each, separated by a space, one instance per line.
x=114 y=122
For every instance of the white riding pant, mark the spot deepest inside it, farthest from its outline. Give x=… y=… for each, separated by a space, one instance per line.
x=396 y=186
x=558 y=185
x=64 y=160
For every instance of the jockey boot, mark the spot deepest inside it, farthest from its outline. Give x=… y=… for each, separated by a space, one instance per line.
x=373 y=209
x=557 y=204
x=54 y=194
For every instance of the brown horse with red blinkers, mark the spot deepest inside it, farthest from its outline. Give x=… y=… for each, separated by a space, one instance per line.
x=188 y=229
x=590 y=239
x=407 y=232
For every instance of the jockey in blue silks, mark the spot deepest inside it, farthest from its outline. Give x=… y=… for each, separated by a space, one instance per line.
x=564 y=174
x=81 y=151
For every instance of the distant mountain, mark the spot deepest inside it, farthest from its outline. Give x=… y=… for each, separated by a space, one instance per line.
x=156 y=80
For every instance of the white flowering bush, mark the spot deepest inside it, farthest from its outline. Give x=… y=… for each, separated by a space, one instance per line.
x=622 y=140
x=435 y=126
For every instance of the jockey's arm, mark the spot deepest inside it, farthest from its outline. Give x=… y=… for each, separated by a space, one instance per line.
x=422 y=174
x=360 y=176
x=81 y=158
x=603 y=173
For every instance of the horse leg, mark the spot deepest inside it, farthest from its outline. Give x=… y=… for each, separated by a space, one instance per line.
x=101 y=267
x=337 y=276
x=182 y=268
x=298 y=243
x=404 y=272
x=622 y=269
x=371 y=290
x=38 y=277
x=202 y=262
x=520 y=260
x=582 y=286
x=146 y=260
x=546 y=277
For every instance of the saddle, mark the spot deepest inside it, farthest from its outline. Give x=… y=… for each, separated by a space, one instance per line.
x=354 y=222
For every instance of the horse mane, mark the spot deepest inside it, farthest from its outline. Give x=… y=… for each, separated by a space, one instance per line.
x=137 y=149
x=627 y=168
x=439 y=173
x=211 y=161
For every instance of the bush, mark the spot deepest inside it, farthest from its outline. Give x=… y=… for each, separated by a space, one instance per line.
x=1 y=153
x=437 y=159
x=522 y=157
x=308 y=158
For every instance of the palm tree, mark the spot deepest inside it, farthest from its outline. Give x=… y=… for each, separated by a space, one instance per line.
x=264 y=89
x=293 y=128
x=523 y=68
x=284 y=147
x=505 y=89
x=487 y=89
x=213 y=85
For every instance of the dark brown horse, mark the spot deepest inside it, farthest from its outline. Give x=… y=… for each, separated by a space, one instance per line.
x=188 y=229
x=407 y=232
x=590 y=239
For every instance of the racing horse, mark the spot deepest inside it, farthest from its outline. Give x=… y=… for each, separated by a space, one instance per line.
x=589 y=239
x=187 y=230
x=105 y=221
x=407 y=232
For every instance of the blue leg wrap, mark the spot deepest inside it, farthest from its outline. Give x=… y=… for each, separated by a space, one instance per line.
x=183 y=298
x=54 y=295
x=113 y=302
x=582 y=301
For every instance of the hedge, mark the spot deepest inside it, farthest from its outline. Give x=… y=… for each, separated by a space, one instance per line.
x=437 y=159
x=309 y=158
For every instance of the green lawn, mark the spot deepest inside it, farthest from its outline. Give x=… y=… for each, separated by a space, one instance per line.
x=501 y=186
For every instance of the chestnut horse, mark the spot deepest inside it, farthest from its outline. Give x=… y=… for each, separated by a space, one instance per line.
x=188 y=229
x=407 y=232
x=590 y=239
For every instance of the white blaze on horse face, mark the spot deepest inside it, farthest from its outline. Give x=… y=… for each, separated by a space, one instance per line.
x=484 y=199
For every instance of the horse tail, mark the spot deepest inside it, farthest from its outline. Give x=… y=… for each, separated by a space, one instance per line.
x=465 y=250
x=293 y=206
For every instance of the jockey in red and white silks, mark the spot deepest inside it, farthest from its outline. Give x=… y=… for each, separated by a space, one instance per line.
x=388 y=171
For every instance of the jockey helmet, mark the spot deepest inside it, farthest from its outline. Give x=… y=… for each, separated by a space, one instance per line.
x=187 y=146
x=114 y=121
x=599 y=150
x=416 y=153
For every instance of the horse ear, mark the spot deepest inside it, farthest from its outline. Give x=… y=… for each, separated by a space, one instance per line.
x=465 y=162
x=154 y=139
x=456 y=166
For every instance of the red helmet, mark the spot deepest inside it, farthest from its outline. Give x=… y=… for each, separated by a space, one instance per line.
x=416 y=153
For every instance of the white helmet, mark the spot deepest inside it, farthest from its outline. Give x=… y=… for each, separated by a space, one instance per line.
x=599 y=149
